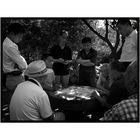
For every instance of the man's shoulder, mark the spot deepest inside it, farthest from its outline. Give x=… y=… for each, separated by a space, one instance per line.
x=92 y=50
x=30 y=86
x=9 y=45
x=119 y=82
x=133 y=34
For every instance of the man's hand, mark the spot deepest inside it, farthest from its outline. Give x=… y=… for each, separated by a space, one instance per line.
x=61 y=60
x=67 y=62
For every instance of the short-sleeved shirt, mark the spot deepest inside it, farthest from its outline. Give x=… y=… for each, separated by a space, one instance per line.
x=12 y=57
x=29 y=103
x=129 y=50
x=66 y=53
x=118 y=92
x=92 y=55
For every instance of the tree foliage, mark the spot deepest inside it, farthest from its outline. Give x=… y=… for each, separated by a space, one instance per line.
x=43 y=33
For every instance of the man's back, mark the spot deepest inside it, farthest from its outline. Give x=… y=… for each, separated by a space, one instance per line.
x=29 y=103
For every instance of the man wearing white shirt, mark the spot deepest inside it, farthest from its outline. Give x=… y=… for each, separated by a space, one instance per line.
x=129 y=50
x=29 y=101
x=13 y=63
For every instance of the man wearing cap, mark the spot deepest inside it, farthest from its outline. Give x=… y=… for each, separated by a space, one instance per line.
x=129 y=50
x=29 y=101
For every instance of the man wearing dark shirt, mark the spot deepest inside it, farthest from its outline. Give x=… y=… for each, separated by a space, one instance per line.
x=87 y=59
x=61 y=54
x=117 y=91
x=126 y=110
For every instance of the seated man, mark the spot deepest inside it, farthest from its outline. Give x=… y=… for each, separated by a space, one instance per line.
x=126 y=110
x=29 y=101
x=50 y=79
x=117 y=91
x=48 y=60
x=103 y=80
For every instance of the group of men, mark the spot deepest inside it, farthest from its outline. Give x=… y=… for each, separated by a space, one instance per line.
x=29 y=101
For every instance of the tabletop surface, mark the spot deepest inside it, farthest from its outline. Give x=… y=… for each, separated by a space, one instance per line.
x=76 y=93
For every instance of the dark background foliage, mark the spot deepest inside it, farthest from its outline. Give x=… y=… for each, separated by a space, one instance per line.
x=42 y=34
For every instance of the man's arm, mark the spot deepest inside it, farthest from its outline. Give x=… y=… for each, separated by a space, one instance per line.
x=60 y=60
x=102 y=100
x=17 y=58
x=85 y=62
x=56 y=116
x=46 y=112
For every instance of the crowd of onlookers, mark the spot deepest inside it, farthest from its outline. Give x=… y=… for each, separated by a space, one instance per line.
x=117 y=81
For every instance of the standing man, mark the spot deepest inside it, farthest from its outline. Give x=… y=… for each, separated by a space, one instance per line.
x=13 y=62
x=129 y=50
x=87 y=60
x=61 y=54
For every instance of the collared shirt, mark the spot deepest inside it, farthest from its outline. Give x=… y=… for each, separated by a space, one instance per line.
x=92 y=55
x=65 y=53
x=12 y=57
x=126 y=110
x=30 y=103
x=129 y=50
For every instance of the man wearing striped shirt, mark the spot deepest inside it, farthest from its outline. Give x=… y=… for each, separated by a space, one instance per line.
x=13 y=63
x=129 y=50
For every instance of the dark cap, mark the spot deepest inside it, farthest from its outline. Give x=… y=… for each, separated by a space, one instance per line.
x=16 y=28
x=124 y=21
x=86 y=40
x=118 y=66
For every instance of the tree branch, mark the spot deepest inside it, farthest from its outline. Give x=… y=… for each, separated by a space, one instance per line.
x=118 y=54
x=106 y=25
x=100 y=36
x=117 y=40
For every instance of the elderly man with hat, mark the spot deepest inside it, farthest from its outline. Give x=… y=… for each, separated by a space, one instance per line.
x=29 y=101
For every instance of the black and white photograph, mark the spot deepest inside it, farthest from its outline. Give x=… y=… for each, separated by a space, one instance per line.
x=69 y=71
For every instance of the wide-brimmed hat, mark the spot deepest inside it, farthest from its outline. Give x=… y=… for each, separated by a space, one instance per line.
x=36 y=69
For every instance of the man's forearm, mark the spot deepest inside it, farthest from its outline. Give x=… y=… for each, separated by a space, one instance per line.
x=86 y=63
